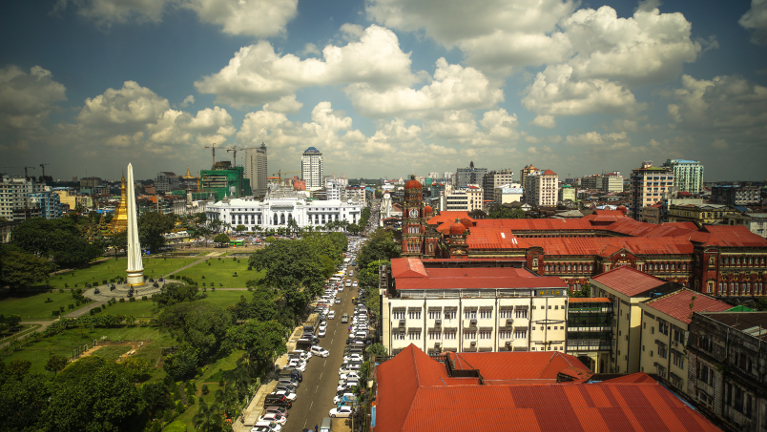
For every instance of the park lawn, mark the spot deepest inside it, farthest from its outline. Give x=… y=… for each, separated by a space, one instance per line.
x=226 y=298
x=34 y=307
x=139 y=309
x=111 y=268
x=64 y=344
x=112 y=352
x=221 y=272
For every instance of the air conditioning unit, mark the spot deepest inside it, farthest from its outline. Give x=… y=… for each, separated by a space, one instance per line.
x=474 y=322
x=508 y=343
x=402 y=323
x=437 y=344
x=437 y=323
x=473 y=343
x=509 y=321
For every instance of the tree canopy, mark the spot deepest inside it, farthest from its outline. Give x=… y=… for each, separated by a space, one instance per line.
x=200 y=324
x=151 y=227
x=58 y=239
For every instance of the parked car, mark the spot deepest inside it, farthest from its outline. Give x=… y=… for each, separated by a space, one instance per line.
x=331 y=314
x=288 y=395
x=276 y=410
x=347 y=397
x=321 y=333
x=319 y=351
x=353 y=357
x=350 y=375
x=343 y=411
x=271 y=417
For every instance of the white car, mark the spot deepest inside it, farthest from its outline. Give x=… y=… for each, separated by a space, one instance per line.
x=321 y=333
x=348 y=283
x=287 y=394
x=331 y=314
x=319 y=351
x=297 y=364
x=350 y=375
x=347 y=385
x=353 y=357
x=343 y=411
x=339 y=398
x=340 y=289
x=277 y=418
x=323 y=325
x=354 y=284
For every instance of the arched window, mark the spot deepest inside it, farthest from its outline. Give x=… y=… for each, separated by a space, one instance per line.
x=276 y=220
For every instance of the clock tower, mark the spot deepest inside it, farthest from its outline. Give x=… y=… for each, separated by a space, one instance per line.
x=413 y=219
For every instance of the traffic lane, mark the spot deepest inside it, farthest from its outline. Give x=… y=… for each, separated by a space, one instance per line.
x=316 y=392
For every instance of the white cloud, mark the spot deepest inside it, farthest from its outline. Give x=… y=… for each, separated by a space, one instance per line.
x=259 y=18
x=454 y=88
x=256 y=74
x=499 y=129
x=546 y=121
x=132 y=104
x=599 y=142
x=454 y=125
x=286 y=104
x=555 y=93
x=26 y=99
x=648 y=48
x=189 y=100
x=755 y=20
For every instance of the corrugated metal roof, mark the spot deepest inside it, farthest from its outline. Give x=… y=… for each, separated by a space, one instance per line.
x=509 y=367
x=733 y=235
x=589 y=300
x=680 y=304
x=629 y=281
x=411 y=399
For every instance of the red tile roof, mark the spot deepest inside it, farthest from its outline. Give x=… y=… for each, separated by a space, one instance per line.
x=549 y=172
x=415 y=393
x=448 y=216
x=515 y=368
x=677 y=304
x=732 y=235
x=409 y=273
x=629 y=281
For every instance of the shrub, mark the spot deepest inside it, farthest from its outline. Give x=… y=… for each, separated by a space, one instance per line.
x=250 y=267
x=104 y=282
x=132 y=299
x=122 y=300
x=203 y=276
x=71 y=306
x=48 y=300
x=144 y=298
x=205 y=389
x=204 y=289
x=55 y=313
x=235 y=274
x=61 y=308
x=61 y=290
x=168 y=416
x=66 y=285
x=213 y=289
x=190 y=399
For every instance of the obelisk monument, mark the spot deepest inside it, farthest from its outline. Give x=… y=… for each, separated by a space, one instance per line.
x=135 y=266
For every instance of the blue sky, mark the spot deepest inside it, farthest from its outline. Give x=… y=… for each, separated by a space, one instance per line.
x=383 y=87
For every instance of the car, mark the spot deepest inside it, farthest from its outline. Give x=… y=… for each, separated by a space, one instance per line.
x=348 y=284
x=286 y=387
x=353 y=357
x=354 y=284
x=345 y=318
x=351 y=375
x=342 y=411
x=270 y=417
x=298 y=364
x=319 y=351
x=321 y=333
x=331 y=314
x=288 y=394
x=323 y=325
x=340 y=289
x=344 y=397
x=273 y=409
x=347 y=385
x=338 y=300
x=270 y=426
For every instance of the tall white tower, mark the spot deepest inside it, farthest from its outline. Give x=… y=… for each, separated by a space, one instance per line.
x=311 y=168
x=135 y=266
x=255 y=169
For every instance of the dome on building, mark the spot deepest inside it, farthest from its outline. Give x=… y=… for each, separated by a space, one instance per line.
x=413 y=183
x=457 y=228
x=312 y=150
x=428 y=209
x=466 y=222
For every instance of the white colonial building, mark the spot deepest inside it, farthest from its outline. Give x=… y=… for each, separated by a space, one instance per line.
x=278 y=209
x=444 y=305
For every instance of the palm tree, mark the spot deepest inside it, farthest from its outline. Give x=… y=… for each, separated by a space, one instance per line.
x=227 y=397
x=208 y=417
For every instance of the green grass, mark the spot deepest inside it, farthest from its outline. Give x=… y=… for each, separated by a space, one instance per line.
x=110 y=269
x=34 y=307
x=64 y=343
x=112 y=352
x=138 y=309
x=221 y=272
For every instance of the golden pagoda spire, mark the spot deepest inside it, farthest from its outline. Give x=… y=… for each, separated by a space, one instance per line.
x=119 y=222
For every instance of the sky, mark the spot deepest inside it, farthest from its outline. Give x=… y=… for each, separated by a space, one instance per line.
x=383 y=88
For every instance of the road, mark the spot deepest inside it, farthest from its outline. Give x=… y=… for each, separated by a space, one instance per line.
x=316 y=392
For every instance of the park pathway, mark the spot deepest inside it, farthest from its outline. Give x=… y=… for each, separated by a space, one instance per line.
x=201 y=260
x=43 y=325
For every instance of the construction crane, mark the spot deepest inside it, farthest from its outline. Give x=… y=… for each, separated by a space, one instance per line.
x=234 y=150
x=25 y=171
x=214 y=155
x=5 y=168
x=280 y=173
x=42 y=165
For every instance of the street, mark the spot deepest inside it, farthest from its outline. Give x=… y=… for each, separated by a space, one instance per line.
x=316 y=392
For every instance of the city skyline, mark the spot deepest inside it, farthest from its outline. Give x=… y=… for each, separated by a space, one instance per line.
x=379 y=85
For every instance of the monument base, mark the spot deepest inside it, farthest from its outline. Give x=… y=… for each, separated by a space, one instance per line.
x=135 y=278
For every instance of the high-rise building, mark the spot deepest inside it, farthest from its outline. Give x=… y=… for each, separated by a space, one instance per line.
x=466 y=199
x=648 y=185
x=166 y=182
x=541 y=188
x=529 y=169
x=255 y=169
x=688 y=174
x=225 y=181
x=311 y=168
x=470 y=175
x=494 y=179
x=23 y=198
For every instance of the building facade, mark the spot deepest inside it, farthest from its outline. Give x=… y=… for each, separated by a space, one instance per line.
x=495 y=179
x=413 y=219
x=509 y=193
x=471 y=309
x=700 y=214
x=688 y=174
x=227 y=181
x=21 y=198
x=165 y=182
x=256 y=169
x=589 y=331
x=470 y=175
x=736 y=195
x=541 y=188
x=466 y=199
x=311 y=168
x=648 y=186
x=566 y=193
x=279 y=209
x=728 y=360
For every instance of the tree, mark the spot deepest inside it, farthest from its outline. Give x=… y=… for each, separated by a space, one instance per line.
x=227 y=398
x=21 y=402
x=96 y=396
x=56 y=363
x=502 y=212
x=151 y=227
x=377 y=349
x=138 y=369
x=221 y=238
x=182 y=364
x=240 y=229
x=59 y=239
x=208 y=417
x=174 y=293
x=262 y=340
x=22 y=270
x=200 y=324
x=381 y=246
x=156 y=397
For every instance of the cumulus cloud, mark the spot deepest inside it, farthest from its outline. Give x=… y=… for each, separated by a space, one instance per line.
x=755 y=20
x=260 y=18
x=26 y=99
x=555 y=92
x=454 y=125
x=135 y=116
x=256 y=74
x=546 y=121
x=453 y=88
x=596 y=141
x=286 y=104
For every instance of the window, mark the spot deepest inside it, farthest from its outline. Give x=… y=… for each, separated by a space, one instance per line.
x=662 y=351
x=504 y=334
x=506 y=313
x=435 y=314
x=449 y=335
x=520 y=334
x=398 y=314
x=414 y=335
x=520 y=313
x=469 y=314
x=485 y=334
x=433 y=335
x=414 y=314
x=469 y=335
x=678 y=360
x=450 y=314
x=398 y=336
x=486 y=314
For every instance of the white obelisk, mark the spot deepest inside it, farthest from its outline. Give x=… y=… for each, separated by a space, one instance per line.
x=135 y=266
